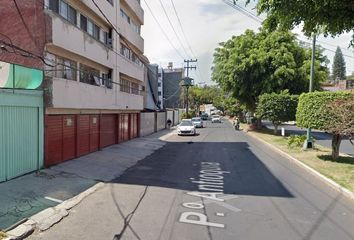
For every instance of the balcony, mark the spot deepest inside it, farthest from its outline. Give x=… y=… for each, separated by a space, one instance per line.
x=76 y=95
x=106 y=7
x=73 y=39
x=129 y=68
x=135 y=6
x=133 y=37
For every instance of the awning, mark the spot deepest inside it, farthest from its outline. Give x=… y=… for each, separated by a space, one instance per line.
x=23 y=77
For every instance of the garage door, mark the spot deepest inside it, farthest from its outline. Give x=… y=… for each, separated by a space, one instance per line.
x=94 y=133
x=133 y=125
x=60 y=138
x=21 y=133
x=83 y=134
x=123 y=127
x=108 y=130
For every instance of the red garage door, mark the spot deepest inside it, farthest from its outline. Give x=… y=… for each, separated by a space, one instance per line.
x=83 y=134
x=108 y=130
x=133 y=125
x=53 y=140
x=94 y=133
x=69 y=137
x=123 y=127
x=60 y=142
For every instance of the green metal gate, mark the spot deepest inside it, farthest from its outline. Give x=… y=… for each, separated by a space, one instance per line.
x=21 y=132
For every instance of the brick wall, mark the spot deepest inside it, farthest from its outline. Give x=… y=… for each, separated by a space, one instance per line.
x=34 y=40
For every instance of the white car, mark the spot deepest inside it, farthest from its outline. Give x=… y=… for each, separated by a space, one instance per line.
x=215 y=119
x=186 y=127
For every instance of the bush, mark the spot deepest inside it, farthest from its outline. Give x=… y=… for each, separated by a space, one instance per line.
x=317 y=110
x=313 y=110
x=190 y=115
x=277 y=107
x=296 y=140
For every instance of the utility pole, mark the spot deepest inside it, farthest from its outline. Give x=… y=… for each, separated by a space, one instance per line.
x=308 y=143
x=187 y=80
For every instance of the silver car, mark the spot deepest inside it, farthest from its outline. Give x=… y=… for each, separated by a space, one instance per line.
x=198 y=122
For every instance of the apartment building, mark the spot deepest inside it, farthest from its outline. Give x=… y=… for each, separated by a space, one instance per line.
x=172 y=78
x=91 y=53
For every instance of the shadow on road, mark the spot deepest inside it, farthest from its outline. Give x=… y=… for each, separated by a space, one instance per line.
x=178 y=164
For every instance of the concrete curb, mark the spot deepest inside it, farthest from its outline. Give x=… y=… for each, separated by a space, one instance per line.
x=346 y=192
x=50 y=216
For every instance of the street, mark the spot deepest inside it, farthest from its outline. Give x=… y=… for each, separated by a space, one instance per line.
x=220 y=184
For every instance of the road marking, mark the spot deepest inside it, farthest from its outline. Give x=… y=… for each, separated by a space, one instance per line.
x=210 y=185
x=54 y=199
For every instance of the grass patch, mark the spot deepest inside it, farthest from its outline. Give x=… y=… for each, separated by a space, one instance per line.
x=2 y=235
x=340 y=170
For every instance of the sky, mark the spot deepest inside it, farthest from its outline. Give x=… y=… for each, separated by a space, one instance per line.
x=206 y=23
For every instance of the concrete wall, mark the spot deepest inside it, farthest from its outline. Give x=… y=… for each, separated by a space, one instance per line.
x=170 y=115
x=161 y=121
x=147 y=123
x=176 y=120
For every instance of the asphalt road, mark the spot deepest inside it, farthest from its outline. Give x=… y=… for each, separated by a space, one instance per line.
x=322 y=138
x=220 y=185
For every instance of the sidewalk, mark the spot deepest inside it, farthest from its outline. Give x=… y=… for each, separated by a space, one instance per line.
x=43 y=198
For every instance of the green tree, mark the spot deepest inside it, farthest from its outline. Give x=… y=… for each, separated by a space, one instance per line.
x=256 y=63
x=277 y=108
x=333 y=17
x=338 y=67
x=320 y=110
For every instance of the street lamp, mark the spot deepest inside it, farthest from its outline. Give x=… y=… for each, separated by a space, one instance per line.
x=187 y=82
x=308 y=143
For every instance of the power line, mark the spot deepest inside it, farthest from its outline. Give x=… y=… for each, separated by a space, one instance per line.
x=173 y=28
x=260 y=20
x=162 y=30
x=25 y=25
x=182 y=29
x=185 y=37
x=243 y=11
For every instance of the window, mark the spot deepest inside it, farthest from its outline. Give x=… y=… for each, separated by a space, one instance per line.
x=90 y=27
x=159 y=84
x=89 y=75
x=159 y=93
x=63 y=68
x=135 y=88
x=64 y=10
x=54 y=5
x=124 y=85
x=136 y=28
x=83 y=23
x=124 y=16
x=110 y=1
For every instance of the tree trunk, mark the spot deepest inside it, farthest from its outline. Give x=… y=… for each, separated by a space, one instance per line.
x=275 y=128
x=336 y=140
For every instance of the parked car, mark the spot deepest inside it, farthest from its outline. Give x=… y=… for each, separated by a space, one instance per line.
x=204 y=116
x=215 y=119
x=198 y=122
x=186 y=127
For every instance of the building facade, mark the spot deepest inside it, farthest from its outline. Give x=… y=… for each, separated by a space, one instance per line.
x=90 y=52
x=172 y=80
